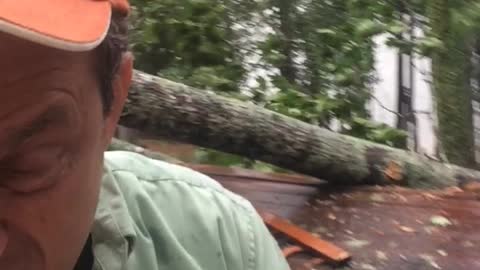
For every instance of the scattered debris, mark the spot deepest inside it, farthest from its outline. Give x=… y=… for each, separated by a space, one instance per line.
x=336 y=209
x=324 y=202
x=320 y=230
x=314 y=262
x=365 y=266
x=430 y=196
x=430 y=229
x=452 y=191
x=377 y=197
x=356 y=243
x=442 y=252
x=388 y=235
x=430 y=260
x=401 y=197
x=407 y=229
x=468 y=244
x=392 y=245
x=331 y=216
x=381 y=255
x=333 y=197
x=440 y=221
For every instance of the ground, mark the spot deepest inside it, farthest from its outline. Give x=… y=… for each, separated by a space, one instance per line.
x=383 y=228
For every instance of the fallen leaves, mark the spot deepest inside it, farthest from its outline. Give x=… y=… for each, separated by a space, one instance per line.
x=377 y=198
x=440 y=221
x=365 y=266
x=430 y=260
x=381 y=255
x=468 y=244
x=430 y=196
x=452 y=191
x=357 y=243
x=407 y=229
x=442 y=252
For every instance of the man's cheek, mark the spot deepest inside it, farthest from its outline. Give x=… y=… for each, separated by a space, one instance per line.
x=50 y=227
x=21 y=250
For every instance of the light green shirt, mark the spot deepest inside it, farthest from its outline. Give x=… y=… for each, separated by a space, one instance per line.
x=154 y=215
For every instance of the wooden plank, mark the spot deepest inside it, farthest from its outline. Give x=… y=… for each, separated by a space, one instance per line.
x=320 y=246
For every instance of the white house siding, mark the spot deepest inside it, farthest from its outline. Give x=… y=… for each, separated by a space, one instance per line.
x=386 y=93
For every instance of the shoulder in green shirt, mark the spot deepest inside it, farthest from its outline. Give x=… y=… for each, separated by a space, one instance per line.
x=154 y=215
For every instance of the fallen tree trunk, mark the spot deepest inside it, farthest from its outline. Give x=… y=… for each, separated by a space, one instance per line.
x=176 y=111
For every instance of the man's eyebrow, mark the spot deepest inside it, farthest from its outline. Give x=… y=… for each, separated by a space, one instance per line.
x=51 y=116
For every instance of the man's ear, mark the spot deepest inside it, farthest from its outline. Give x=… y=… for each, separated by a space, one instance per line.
x=120 y=87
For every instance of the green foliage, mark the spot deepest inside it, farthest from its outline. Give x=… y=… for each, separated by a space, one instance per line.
x=429 y=45
x=207 y=156
x=319 y=55
x=334 y=81
x=300 y=106
x=379 y=133
x=366 y=28
x=187 y=41
x=453 y=28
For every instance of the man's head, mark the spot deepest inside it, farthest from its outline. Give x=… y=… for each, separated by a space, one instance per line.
x=63 y=82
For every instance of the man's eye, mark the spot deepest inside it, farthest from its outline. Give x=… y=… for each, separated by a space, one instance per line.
x=33 y=171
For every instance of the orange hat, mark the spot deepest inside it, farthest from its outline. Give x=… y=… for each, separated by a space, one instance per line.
x=72 y=25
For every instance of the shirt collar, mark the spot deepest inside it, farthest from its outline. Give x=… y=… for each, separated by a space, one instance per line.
x=113 y=232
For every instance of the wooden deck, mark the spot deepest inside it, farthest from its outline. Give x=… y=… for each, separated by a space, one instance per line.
x=383 y=228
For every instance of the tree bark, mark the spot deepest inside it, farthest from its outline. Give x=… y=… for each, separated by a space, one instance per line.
x=164 y=108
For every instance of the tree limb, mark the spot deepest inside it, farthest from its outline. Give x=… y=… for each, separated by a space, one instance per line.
x=176 y=111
